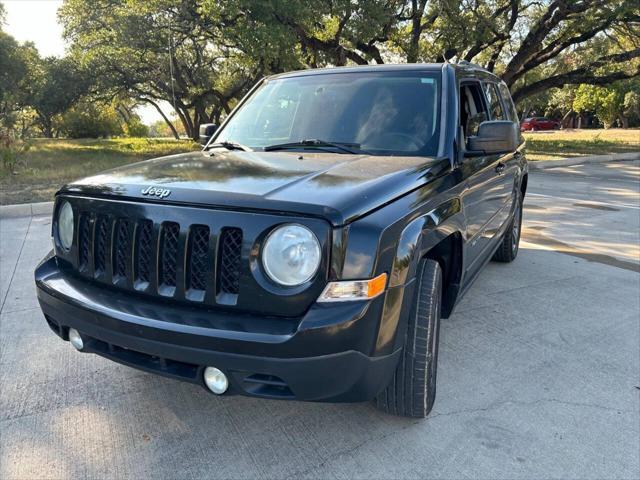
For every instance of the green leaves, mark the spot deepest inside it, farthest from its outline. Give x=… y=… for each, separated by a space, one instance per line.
x=202 y=56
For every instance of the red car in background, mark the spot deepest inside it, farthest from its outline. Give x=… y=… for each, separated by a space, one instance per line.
x=539 y=123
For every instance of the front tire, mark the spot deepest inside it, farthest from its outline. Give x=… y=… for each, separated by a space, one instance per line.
x=508 y=250
x=412 y=390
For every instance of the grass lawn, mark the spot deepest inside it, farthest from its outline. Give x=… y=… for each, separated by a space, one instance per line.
x=557 y=144
x=49 y=164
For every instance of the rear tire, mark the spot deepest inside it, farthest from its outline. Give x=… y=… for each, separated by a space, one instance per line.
x=508 y=250
x=412 y=390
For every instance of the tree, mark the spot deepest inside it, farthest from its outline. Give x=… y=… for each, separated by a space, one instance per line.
x=201 y=57
x=533 y=45
x=613 y=104
x=158 y=50
x=161 y=129
x=632 y=105
x=91 y=119
x=55 y=84
x=292 y=34
x=15 y=64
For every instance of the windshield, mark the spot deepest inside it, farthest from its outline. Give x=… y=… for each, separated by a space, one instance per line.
x=382 y=113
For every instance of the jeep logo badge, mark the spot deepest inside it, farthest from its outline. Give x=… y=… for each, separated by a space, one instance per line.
x=157 y=192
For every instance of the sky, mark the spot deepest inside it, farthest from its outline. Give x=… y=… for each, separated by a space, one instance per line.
x=36 y=21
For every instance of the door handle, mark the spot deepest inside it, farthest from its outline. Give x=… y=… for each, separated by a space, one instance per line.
x=500 y=168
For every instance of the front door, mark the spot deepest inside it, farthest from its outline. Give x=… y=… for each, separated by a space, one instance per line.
x=483 y=197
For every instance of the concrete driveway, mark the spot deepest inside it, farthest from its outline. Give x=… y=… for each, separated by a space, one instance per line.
x=538 y=373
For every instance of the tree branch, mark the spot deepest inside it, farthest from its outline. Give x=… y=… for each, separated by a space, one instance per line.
x=164 y=117
x=583 y=75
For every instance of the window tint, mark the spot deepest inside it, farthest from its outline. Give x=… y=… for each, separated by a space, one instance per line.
x=472 y=109
x=508 y=103
x=495 y=107
x=385 y=114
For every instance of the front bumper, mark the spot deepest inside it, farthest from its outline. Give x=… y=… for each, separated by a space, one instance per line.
x=325 y=355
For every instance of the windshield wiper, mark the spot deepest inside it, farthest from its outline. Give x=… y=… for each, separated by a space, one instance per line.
x=229 y=146
x=314 y=142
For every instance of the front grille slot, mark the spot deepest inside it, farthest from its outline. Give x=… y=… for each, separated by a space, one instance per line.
x=121 y=249
x=143 y=254
x=168 y=257
x=84 y=235
x=229 y=261
x=198 y=258
x=100 y=244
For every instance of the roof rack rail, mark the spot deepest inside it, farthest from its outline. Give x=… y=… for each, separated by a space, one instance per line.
x=470 y=64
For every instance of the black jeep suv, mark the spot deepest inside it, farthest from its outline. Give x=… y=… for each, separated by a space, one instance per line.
x=310 y=249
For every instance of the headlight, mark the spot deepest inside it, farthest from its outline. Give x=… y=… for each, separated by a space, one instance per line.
x=291 y=255
x=65 y=225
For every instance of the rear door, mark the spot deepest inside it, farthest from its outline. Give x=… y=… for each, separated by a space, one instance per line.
x=507 y=164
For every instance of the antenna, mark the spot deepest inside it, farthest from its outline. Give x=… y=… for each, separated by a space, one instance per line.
x=173 y=92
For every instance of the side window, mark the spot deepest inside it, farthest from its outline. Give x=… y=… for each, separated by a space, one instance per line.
x=493 y=98
x=472 y=108
x=508 y=103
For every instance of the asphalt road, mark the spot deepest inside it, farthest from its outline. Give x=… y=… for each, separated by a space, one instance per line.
x=538 y=373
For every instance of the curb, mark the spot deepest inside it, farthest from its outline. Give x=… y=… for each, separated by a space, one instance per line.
x=567 y=162
x=26 y=210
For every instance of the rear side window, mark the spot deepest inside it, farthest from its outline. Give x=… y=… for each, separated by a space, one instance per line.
x=508 y=103
x=493 y=98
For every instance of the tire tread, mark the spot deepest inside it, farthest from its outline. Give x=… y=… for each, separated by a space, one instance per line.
x=407 y=395
x=504 y=253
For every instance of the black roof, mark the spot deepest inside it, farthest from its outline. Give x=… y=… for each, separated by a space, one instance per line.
x=388 y=67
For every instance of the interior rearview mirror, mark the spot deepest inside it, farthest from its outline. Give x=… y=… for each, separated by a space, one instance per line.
x=206 y=132
x=495 y=136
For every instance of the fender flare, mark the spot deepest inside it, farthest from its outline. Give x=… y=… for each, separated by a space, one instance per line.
x=418 y=237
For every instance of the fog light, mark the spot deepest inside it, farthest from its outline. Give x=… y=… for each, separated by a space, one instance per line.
x=75 y=339
x=215 y=380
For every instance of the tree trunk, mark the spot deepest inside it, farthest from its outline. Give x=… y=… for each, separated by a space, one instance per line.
x=187 y=122
x=624 y=121
x=568 y=121
x=164 y=117
x=417 y=10
x=47 y=128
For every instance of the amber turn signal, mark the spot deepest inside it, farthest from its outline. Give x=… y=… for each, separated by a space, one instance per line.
x=354 y=289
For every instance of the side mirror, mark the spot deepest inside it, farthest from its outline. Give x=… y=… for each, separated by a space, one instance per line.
x=206 y=132
x=496 y=136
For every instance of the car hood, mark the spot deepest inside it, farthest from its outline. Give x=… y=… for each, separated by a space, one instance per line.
x=338 y=187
